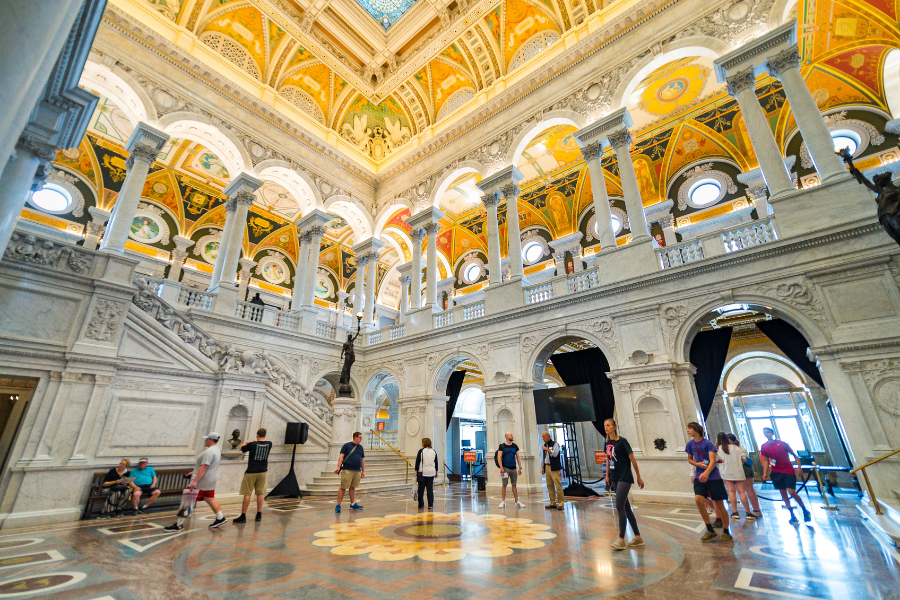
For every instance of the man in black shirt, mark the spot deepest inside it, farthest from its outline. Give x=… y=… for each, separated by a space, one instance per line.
x=255 y=476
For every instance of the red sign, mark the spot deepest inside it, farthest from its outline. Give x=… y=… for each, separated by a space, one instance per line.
x=470 y=456
x=379 y=426
x=600 y=456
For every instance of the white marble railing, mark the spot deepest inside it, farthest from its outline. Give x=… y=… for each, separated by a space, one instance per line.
x=680 y=255
x=443 y=319
x=247 y=311
x=397 y=332
x=473 y=311
x=538 y=293
x=325 y=330
x=375 y=337
x=751 y=235
x=375 y=442
x=287 y=320
x=583 y=281
x=196 y=299
x=153 y=284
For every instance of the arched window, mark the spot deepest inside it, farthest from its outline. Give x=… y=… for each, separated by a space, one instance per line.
x=532 y=48
x=231 y=50
x=302 y=100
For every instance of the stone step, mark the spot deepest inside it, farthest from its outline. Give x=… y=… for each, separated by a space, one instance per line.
x=315 y=490
x=888 y=522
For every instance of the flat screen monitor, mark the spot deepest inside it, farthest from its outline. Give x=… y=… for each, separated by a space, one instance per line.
x=570 y=404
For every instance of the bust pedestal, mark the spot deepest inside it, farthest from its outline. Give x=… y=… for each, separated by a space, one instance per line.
x=342 y=424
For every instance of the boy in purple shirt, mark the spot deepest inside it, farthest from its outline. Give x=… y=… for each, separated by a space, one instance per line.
x=702 y=455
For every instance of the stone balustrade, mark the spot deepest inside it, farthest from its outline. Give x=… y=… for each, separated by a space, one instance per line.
x=680 y=255
x=373 y=441
x=754 y=234
x=443 y=319
x=326 y=330
x=195 y=298
x=539 y=293
x=473 y=311
x=583 y=281
x=249 y=311
x=375 y=337
x=397 y=332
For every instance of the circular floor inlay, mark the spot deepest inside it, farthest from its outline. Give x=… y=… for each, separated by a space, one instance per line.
x=38 y=583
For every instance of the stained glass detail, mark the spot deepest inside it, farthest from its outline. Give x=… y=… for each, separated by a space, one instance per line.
x=386 y=12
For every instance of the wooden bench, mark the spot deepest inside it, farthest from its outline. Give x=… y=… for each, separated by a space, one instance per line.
x=171 y=483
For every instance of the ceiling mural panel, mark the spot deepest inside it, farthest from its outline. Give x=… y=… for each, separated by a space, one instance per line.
x=386 y=12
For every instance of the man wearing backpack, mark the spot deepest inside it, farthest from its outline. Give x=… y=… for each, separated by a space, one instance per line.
x=507 y=460
x=351 y=468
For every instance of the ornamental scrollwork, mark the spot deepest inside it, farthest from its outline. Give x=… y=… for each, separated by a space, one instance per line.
x=105 y=321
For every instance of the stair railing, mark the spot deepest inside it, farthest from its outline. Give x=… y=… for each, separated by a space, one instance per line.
x=408 y=464
x=866 y=477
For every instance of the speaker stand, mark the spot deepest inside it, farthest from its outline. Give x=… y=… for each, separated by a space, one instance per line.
x=288 y=486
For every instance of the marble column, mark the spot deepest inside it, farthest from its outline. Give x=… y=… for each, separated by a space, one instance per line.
x=182 y=245
x=621 y=142
x=742 y=85
x=431 y=268
x=143 y=147
x=513 y=233
x=246 y=272
x=417 y=235
x=25 y=172
x=241 y=190
x=668 y=227
x=359 y=298
x=404 y=296
x=95 y=228
x=493 y=238
x=312 y=268
x=602 y=214
x=371 y=282
x=230 y=208
x=300 y=272
x=786 y=67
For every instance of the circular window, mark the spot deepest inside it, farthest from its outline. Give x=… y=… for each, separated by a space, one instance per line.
x=705 y=191
x=472 y=273
x=532 y=252
x=616 y=225
x=52 y=198
x=845 y=138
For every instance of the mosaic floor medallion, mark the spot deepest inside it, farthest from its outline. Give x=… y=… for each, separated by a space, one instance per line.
x=436 y=537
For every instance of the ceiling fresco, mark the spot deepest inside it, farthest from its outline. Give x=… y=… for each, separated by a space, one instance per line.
x=386 y=12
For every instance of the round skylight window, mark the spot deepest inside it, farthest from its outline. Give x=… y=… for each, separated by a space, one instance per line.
x=52 y=199
x=616 y=225
x=532 y=252
x=705 y=191
x=472 y=273
x=845 y=138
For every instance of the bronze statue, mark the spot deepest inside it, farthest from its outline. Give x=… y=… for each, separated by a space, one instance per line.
x=235 y=440
x=887 y=196
x=349 y=356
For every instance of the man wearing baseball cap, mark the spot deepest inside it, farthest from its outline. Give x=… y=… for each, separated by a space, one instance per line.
x=144 y=484
x=203 y=477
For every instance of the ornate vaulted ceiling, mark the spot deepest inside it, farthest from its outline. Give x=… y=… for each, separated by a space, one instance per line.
x=377 y=72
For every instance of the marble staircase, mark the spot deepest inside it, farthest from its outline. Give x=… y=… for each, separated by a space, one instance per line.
x=385 y=471
x=888 y=522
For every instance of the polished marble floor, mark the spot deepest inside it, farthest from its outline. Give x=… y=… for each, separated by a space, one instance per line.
x=467 y=548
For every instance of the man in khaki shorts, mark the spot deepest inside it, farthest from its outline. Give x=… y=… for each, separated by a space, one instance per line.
x=255 y=477
x=352 y=467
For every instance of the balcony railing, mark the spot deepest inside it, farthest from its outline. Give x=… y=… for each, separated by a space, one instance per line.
x=752 y=235
x=197 y=299
x=247 y=311
x=152 y=284
x=287 y=320
x=325 y=330
x=680 y=255
x=583 y=281
x=539 y=293
x=375 y=338
x=443 y=319
x=387 y=438
x=397 y=332
x=473 y=311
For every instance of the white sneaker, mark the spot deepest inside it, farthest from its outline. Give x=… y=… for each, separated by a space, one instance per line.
x=502 y=504
x=520 y=505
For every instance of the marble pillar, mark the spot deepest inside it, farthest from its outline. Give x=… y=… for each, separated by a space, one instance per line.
x=230 y=208
x=431 y=270
x=359 y=293
x=513 y=233
x=94 y=230
x=742 y=85
x=143 y=147
x=246 y=272
x=602 y=215
x=417 y=235
x=786 y=67
x=25 y=172
x=371 y=283
x=300 y=273
x=404 y=296
x=493 y=238
x=182 y=245
x=241 y=190
x=312 y=268
x=620 y=140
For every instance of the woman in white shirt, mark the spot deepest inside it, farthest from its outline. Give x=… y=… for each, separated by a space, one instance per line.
x=426 y=470
x=732 y=470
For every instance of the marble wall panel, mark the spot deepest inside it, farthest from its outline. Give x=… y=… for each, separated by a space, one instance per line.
x=640 y=335
x=160 y=426
x=40 y=316
x=844 y=299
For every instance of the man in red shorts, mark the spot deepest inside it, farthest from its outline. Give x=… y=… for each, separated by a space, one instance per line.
x=776 y=458
x=204 y=479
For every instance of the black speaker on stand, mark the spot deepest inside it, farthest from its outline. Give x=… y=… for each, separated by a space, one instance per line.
x=295 y=433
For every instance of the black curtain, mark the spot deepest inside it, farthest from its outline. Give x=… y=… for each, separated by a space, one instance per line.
x=454 y=385
x=793 y=344
x=589 y=366
x=708 y=353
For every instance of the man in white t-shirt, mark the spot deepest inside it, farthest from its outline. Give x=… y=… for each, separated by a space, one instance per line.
x=203 y=478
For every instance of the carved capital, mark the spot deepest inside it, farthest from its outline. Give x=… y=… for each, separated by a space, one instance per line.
x=372 y=257
x=510 y=192
x=95 y=229
x=432 y=228
x=317 y=231
x=178 y=256
x=417 y=235
x=784 y=60
x=361 y=261
x=305 y=237
x=490 y=200
x=592 y=152
x=741 y=81
x=406 y=279
x=28 y=143
x=244 y=198
x=620 y=140
x=143 y=153
x=230 y=205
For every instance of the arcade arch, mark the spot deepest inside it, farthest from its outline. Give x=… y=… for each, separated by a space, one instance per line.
x=194 y=127
x=566 y=118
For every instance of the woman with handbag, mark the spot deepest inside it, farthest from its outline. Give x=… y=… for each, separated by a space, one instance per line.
x=115 y=490
x=426 y=470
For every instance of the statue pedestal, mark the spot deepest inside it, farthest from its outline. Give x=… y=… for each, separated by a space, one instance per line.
x=345 y=410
